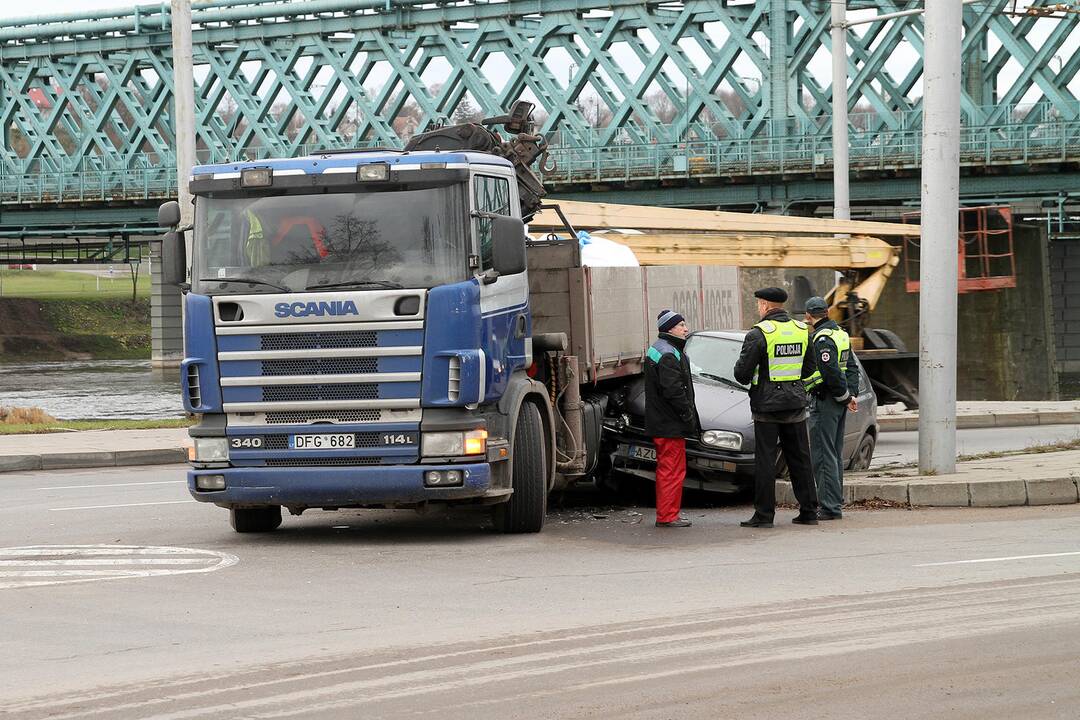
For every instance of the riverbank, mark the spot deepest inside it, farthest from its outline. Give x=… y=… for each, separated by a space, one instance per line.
x=54 y=329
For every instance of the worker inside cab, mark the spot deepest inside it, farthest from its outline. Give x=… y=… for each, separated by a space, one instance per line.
x=274 y=239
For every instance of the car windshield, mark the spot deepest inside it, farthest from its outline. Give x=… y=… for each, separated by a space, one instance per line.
x=414 y=238
x=713 y=358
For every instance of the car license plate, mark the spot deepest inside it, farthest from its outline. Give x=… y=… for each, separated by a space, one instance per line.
x=322 y=442
x=642 y=453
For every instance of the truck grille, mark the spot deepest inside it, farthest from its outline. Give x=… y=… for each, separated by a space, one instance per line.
x=337 y=416
x=320 y=366
x=319 y=340
x=322 y=372
x=310 y=393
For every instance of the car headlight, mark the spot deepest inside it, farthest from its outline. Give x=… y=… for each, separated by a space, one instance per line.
x=447 y=444
x=722 y=439
x=211 y=450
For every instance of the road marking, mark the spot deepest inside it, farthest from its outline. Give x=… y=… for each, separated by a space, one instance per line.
x=998 y=559
x=102 y=507
x=37 y=565
x=85 y=487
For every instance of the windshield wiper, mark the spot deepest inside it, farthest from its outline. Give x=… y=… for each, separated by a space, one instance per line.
x=385 y=284
x=727 y=381
x=249 y=281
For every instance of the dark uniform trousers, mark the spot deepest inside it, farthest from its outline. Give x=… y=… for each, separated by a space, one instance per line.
x=794 y=442
x=827 y=429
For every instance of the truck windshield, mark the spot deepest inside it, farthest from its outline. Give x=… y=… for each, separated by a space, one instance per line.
x=304 y=242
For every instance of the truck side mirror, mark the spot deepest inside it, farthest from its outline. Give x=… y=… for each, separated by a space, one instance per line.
x=508 y=245
x=168 y=214
x=173 y=257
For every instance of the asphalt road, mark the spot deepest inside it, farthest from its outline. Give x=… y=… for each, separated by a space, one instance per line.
x=903 y=447
x=122 y=599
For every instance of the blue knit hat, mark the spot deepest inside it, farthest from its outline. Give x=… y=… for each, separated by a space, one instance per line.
x=668 y=319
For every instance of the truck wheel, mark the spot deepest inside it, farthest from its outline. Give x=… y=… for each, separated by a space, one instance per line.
x=524 y=512
x=863 y=454
x=253 y=520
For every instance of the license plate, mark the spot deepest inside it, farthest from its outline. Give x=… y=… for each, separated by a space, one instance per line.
x=322 y=442
x=642 y=453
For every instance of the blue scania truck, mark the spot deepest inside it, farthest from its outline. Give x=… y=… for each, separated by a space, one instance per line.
x=372 y=329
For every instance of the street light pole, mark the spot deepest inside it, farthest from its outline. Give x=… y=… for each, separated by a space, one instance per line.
x=938 y=253
x=841 y=188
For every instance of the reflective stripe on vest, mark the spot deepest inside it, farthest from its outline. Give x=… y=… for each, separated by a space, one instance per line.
x=843 y=348
x=786 y=344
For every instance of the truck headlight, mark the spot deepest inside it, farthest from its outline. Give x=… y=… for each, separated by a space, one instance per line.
x=211 y=450
x=447 y=444
x=722 y=439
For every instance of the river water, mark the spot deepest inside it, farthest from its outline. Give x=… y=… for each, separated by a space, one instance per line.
x=98 y=389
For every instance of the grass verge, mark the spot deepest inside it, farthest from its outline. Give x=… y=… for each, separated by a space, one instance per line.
x=76 y=425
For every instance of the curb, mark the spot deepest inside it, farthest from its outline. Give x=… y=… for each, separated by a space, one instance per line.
x=1014 y=419
x=69 y=461
x=924 y=492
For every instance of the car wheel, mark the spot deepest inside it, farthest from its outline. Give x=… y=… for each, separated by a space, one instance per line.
x=864 y=453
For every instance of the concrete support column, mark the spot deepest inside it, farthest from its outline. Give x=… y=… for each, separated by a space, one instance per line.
x=940 y=235
x=166 y=323
x=166 y=302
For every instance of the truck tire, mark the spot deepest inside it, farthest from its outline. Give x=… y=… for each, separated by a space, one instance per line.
x=254 y=520
x=524 y=511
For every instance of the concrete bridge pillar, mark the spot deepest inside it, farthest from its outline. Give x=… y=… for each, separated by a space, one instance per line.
x=166 y=322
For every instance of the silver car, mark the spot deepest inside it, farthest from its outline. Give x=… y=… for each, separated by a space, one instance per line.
x=722 y=458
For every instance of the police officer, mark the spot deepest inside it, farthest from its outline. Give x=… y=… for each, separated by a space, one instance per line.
x=772 y=360
x=833 y=385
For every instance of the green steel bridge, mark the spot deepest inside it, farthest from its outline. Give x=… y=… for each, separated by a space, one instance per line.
x=701 y=103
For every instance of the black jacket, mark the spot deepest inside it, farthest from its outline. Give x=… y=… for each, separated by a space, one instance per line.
x=839 y=386
x=768 y=397
x=669 y=390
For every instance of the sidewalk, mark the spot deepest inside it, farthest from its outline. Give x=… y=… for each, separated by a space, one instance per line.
x=1030 y=479
x=93 y=448
x=894 y=418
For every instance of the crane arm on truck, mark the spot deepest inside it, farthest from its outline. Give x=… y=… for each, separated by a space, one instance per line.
x=674 y=236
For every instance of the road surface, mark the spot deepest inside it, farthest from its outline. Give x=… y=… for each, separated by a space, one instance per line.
x=122 y=599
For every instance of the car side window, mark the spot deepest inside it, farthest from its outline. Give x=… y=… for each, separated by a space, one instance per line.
x=492 y=195
x=864 y=381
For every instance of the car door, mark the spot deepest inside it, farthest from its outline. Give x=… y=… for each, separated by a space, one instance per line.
x=857 y=422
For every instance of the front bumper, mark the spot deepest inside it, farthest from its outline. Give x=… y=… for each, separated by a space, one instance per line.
x=336 y=487
x=706 y=469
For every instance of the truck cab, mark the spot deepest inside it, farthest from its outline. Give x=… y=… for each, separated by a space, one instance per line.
x=357 y=331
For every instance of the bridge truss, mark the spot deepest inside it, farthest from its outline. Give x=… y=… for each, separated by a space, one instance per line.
x=631 y=93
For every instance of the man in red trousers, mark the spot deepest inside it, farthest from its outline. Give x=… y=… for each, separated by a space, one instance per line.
x=670 y=415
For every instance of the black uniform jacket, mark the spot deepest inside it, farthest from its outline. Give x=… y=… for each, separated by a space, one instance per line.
x=669 y=393
x=770 y=401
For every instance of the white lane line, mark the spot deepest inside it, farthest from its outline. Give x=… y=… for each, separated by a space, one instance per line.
x=106 y=561
x=76 y=550
x=998 y=559
x=102 y=507
x=90 y=487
